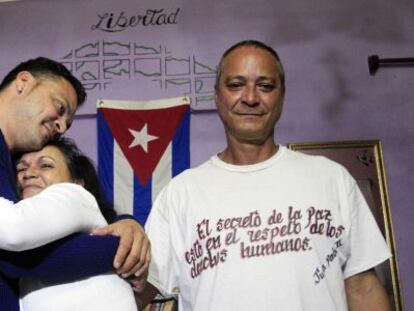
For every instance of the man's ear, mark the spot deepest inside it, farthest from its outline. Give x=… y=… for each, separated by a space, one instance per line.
x=24 y=81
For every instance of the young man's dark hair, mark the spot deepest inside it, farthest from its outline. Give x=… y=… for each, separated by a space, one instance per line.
x=42 y=67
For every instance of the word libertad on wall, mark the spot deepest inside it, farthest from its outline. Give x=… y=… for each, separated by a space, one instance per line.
x=112 y=22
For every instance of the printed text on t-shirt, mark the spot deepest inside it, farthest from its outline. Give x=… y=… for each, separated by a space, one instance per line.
x=257 y=235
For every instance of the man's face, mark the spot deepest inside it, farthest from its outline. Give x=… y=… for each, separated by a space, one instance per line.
x=249 y=96
x=44 y=108
x=40 y=169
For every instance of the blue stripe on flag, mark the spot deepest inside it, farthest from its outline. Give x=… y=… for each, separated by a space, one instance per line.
x=105 y=157
x=142 y=200
x=181 y=146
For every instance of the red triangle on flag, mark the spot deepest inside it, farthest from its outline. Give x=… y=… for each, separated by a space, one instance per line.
x=143 y=135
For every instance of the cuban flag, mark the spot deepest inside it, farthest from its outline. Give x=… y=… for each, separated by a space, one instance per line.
x=141 y=146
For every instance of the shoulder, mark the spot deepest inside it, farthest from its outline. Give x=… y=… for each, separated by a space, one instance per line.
x=191 y=175
x=312 y=161
x=316 y=167
x=182 y=186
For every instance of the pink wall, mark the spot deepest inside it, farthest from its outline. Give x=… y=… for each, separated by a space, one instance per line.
x=324 y=46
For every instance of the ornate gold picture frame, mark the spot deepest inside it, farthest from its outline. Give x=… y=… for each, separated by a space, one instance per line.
x=364 y=161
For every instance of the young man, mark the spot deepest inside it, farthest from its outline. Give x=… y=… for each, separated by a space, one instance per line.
x=260 y=227
x=38 y=99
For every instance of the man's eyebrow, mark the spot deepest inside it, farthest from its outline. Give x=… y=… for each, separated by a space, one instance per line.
x=69 y=111
x=65 y=101
x=69 y=123
x=69 y=108
x=238 y=77
x=270 y=77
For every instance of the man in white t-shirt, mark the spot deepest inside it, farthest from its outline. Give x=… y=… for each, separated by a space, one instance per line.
x=260 y=227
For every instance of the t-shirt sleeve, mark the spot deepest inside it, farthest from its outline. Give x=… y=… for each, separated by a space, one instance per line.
x=158 y=228
x=57 y=211
x=367 y=246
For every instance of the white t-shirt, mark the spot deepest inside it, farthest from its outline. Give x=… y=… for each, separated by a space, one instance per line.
x=56 y=212
x=282 y=233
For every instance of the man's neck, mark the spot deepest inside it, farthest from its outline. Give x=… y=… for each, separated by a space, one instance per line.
x=238 y=153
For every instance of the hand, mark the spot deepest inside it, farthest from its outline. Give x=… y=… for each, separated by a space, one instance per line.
x=133 y=254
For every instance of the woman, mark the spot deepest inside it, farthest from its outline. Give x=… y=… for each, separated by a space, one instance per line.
x=61 y=171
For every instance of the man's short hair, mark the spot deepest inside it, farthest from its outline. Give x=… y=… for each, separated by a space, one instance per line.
x=47 y=68
x=259 y=45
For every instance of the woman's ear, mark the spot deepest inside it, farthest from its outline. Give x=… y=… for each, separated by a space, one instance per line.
x=79 y=182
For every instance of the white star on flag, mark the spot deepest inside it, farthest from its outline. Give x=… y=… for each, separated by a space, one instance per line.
x=141 y=138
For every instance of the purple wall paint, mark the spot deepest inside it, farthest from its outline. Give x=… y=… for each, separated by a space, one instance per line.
x=324 y=47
